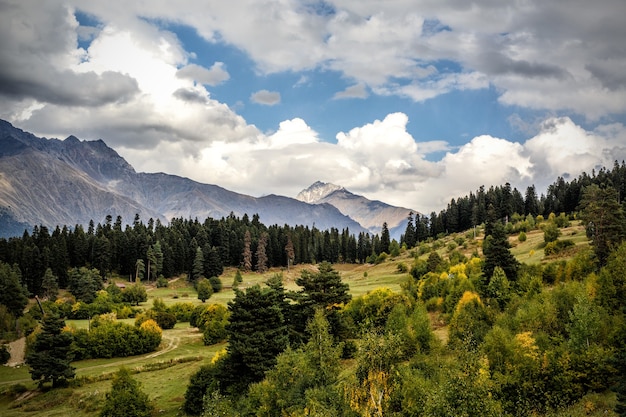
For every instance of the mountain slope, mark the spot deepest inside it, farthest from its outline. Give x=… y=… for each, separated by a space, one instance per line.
x=370 y=214
x=54 y=182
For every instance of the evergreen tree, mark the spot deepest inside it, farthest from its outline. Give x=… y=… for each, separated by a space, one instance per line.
x=212 y=262
x=289 y=251
x=256 y=334
x=12 y=295
x=247 y=252
x=605 y=220
x=261 y=254
x=126 y=399
x=140 y=269
x=84 y=283
x=323 y=289
x=51 y=356
x=410 y=232
x=198 y=265
x=496 y=250
x=50 y=285
x=385 y=239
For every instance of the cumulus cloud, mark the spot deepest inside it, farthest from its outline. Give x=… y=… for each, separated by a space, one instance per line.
x=212 y=76
x=134 y=86
x=265 y=97
x=381 y=160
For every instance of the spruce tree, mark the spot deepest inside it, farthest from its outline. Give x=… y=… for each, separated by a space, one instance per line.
x=126 y=399
x=12 y=294
x=50 y=357
x=496 y=250
x=257 y=333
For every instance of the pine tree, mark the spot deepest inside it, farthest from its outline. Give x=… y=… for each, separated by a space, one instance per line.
x=257 y=333
x=261 y=254
x=605 y=219
x=198 y=265
x=12 y=295
x=496 y=250
x=126 y=399
x=51 y=356
x=289 y=251
x=385 y=239
x=410 y=232
x=247 y=252
x=50 y=285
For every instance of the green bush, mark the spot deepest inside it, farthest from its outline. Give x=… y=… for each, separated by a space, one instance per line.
x=557 y=246
x=216 y=284
x=161 y=282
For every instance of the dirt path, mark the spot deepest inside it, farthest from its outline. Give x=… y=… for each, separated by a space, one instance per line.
x=169 y=343
x=17 y=349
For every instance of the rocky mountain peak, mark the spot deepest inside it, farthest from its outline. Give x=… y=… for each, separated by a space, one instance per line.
x=317 y=191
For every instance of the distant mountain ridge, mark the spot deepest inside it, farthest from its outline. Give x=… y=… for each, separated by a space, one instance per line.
x=370 y=214
x=67 y=182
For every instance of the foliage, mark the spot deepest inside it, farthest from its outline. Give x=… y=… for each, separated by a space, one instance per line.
x=605 y=219
x=216 y=284
x=551 y=232
x=496 y=250
x=212 y=321
x=12 y=294
x=200 y=383
x=204 y=289
x=135 y=294
x=111 y=338
x=84 y=283
x=126 y=399
x=323 y=289
x=256 y=334
x=162 y=282
x=49 y=358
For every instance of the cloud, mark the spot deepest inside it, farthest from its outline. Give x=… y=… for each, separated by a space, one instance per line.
x=213 y=76
x=381 y=160
x=265 y=97
x=354 y=91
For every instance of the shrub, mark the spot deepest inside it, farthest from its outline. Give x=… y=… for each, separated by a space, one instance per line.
x=402 y=268
x=216 y=284
x=522 y=236
x=161 y=282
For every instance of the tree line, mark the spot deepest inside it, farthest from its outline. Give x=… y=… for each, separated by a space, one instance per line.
x=503 y=202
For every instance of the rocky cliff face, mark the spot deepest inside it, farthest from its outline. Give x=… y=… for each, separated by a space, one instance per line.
x=67 y=182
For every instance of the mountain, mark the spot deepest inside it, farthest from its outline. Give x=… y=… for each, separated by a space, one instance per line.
x=67 y=182
x=370 y=214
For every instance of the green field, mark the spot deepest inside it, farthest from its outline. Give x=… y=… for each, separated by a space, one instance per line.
x=164 y=374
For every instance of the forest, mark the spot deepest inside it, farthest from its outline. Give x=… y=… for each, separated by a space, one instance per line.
x=471 y=331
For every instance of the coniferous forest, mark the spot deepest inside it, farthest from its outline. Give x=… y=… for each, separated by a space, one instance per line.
x=473 y=331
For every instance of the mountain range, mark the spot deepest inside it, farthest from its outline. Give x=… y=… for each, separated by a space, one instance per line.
x=67 y=182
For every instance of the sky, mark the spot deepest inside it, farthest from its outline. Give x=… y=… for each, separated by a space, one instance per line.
x=412 y=102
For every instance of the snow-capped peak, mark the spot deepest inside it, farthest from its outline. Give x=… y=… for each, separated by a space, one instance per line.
x=317 y=191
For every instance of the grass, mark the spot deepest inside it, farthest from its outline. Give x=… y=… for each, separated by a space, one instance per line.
x=164 y=374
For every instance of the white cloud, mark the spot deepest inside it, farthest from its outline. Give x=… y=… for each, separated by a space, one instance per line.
x=265 y=97
x=211 y=76
x=135 y=87
x=354 y=91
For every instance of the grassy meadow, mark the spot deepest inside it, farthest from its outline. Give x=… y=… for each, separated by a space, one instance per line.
x=164 y=374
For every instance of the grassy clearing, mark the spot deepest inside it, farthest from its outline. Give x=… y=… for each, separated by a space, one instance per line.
x=164 y=374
